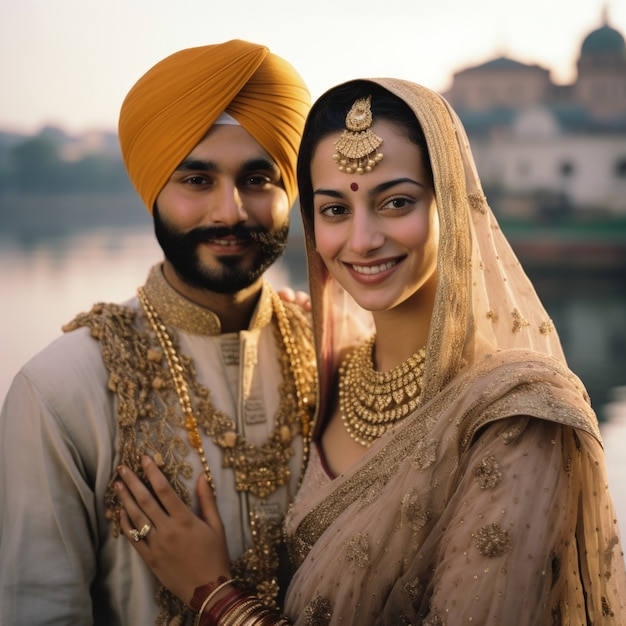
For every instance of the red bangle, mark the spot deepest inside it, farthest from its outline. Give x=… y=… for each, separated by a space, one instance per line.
x=213 y=616
x=201 y=593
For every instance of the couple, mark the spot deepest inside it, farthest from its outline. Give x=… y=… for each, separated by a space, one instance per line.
x=456 y=473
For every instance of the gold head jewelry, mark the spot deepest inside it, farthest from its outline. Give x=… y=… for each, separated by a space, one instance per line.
x=357 y=148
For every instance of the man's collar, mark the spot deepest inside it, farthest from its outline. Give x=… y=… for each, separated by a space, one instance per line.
x=180 y=312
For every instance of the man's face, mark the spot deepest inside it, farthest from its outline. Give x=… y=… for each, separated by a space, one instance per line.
x=223 y=216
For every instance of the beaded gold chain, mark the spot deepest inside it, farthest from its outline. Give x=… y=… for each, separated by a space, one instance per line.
x=370 y=401
x=252 y=464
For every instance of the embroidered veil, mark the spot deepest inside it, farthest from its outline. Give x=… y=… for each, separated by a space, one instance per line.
x=496 y=483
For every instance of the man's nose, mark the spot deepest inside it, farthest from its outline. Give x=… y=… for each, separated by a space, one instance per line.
x=227 y=206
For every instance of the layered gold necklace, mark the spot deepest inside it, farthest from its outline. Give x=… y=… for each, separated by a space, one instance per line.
x=371 y=401
x=258 y=469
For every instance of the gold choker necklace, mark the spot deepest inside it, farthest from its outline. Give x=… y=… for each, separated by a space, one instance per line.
x=371 y=401
x=258 y=469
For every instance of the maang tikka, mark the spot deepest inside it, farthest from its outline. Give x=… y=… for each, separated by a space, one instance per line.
x=357 y=148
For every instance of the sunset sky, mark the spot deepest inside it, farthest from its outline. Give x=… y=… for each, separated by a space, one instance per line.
x=71 y=62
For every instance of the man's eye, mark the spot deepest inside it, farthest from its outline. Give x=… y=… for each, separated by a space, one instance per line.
x=195 y=180
x=256 y=181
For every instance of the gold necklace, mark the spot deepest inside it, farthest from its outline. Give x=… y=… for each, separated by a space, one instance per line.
x=371 y=401
x=258 y=469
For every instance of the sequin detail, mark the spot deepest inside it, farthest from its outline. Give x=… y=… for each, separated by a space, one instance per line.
x=357 y=550
x=492 y=540
x=487 y=472
x=318 y=612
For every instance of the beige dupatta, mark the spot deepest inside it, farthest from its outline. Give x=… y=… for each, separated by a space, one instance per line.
x=444 y=521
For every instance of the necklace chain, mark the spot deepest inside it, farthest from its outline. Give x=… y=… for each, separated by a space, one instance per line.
x=371 y=401
x=258 y=469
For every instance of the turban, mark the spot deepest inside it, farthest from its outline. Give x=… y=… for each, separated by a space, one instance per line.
x=174 y=104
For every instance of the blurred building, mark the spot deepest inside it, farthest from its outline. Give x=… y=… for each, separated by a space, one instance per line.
x=547 y=149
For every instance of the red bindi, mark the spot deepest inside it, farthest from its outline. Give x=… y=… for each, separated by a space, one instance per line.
x=354 y=186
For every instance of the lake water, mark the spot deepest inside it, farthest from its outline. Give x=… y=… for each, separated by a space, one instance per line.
x=46 y=281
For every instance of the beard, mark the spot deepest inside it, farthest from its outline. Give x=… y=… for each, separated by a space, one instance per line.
x=231 y=274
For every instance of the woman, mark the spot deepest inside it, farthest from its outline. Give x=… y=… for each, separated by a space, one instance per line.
x=456 y=472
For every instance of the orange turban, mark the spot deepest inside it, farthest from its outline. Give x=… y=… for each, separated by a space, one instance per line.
x=171 y=108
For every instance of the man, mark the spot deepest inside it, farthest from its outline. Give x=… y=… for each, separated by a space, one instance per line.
x=206 y=370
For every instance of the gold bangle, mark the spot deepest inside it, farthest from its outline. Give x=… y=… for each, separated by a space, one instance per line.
x=209 y=598
x=240 y=613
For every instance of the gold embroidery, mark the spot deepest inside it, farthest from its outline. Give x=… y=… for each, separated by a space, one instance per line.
x=357 y=549
x=370 y=494
x=492 y=315
x=487 y=472
x=492 y=540
x=412 y=511
x=546 y=327
x=518 y=321
x=149 y=420
x=414 y=589
x=478 y=202
x=258 y=469
x=318 y=612
x=425 y=454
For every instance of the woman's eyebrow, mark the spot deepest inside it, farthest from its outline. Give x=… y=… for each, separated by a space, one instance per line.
x=333 y=193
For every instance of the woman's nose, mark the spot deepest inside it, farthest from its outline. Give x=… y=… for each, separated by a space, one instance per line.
x=365 y=234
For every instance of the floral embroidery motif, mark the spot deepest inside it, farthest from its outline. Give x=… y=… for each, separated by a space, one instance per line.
x=414 y=589
x=519 y=321
x=492 y=540
x=545 y=328
x=357 y=549
x=412 y=512
x=477 y=202
x=425 y=454
x=318 y=612
x=487 y=472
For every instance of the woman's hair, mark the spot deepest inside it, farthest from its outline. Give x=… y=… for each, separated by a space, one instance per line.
x=328 y=115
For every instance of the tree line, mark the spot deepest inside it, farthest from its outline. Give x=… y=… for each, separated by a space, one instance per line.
x=36 y=164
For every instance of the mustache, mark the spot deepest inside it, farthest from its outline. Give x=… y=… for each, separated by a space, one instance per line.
x=249 y=234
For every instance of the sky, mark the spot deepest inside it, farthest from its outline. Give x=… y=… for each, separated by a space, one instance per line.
x=69 y=63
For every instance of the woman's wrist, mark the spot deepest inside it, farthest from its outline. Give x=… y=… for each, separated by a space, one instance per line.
x=225 y=602
x=206 y=596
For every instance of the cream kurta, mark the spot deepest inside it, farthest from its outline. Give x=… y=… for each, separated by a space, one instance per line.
x=59 y=560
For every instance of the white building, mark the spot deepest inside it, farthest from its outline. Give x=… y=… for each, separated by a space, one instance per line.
x=547 y=148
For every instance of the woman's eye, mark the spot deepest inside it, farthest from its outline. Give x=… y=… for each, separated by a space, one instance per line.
x=333 y=210
x=398 y=203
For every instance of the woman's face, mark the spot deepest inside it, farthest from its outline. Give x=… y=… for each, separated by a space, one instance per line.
x=378 y=232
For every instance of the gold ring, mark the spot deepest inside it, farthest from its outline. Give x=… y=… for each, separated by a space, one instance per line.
x=138 y=535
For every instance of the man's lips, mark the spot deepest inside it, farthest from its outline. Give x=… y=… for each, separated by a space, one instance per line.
x=227 y=242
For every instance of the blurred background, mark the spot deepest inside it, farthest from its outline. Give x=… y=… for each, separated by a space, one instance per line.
x=540 y=87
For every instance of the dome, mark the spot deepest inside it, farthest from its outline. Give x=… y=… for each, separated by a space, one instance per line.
x=604 y=40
